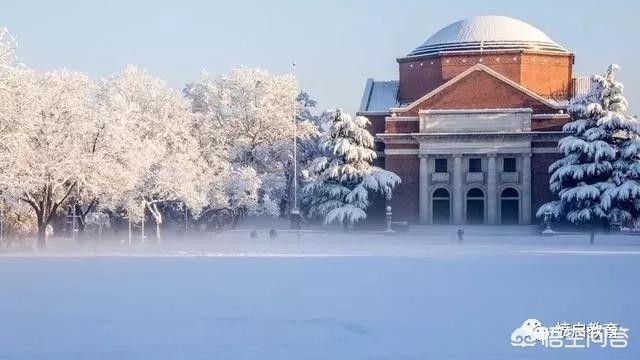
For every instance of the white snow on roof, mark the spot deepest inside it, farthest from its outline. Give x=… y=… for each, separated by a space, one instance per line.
x=379 y=96
x=486 y=33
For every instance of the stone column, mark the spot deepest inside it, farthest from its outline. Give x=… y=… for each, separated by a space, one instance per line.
x=526 y=189
x=424 y=190
x=492 y=191
x=458 y=196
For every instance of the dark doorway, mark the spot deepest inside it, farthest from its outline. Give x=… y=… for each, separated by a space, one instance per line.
x=441 y=207
x=509 y=207
x=475 y=206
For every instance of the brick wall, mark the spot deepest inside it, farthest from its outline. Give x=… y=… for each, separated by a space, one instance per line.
x=480 y=90
x=418 y=78
x=548 y=75
x=540 y=193
x=402 y=127
x=548 y=124
x=405 y=196
x=507 y=64
x=376 y=125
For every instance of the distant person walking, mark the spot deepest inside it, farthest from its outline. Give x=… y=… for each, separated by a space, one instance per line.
x=460 y=234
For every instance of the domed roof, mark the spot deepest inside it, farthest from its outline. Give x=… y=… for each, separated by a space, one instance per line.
x=487 y=33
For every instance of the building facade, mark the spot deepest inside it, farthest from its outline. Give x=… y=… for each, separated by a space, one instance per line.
x=472 y=124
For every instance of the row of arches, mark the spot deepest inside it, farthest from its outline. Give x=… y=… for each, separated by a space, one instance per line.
x=475 y=206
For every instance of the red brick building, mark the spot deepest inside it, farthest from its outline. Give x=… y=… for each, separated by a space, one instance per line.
x=472 y=124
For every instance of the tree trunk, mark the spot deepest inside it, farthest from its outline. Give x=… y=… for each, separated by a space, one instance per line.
x=82 y=215
x=129 y=231
x=42 y=235
x=142 y=231
x=45 y=208
x=157 y=217
x=158 y=235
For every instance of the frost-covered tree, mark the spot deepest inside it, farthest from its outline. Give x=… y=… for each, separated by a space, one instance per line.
x=45 y=136
x=308 y=146
x=18 y=220
x=10 y=83
x=245 y=119
x=596 y=180
x=8 y=46
x=154 y=143
x=341 y=180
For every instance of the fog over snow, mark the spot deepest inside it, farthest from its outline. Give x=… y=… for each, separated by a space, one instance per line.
x=316 y=296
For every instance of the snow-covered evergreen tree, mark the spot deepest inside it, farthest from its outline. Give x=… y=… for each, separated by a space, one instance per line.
x=620 y=199
x=595 y=180
x=340 y=181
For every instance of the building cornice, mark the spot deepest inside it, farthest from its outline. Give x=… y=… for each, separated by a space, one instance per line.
x=551 y=116
x=402 y=118
x=411 y=138
x=481 y=53
x=477 y=111
x=474 y=135
x=373 y=113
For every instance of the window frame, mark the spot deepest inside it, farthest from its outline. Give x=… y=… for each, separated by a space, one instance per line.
x=473 y=168
x=439 y=170
x=509 y=169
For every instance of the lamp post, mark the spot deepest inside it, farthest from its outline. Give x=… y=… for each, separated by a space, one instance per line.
x=295 y=213
x=129 y=221
x=1 y=222
x=548 y=212
x=388 y=218
x=186 y=218
x=73 y=220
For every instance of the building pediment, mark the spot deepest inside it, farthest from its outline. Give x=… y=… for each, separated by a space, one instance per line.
x=480 y=87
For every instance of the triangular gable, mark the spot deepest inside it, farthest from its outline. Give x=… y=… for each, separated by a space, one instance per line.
x=472 y=81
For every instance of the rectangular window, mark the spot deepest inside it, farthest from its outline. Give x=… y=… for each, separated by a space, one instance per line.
x=441 y=165
x=509 y=165
x=475 y=165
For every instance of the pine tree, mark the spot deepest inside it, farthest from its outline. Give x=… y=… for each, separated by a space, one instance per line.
x=620 y=199
x=340 y=181
x=593 y=181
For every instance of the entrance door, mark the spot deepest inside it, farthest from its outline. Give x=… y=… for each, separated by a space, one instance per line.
x=509 y=207
x=441 y=206
x=475 y=206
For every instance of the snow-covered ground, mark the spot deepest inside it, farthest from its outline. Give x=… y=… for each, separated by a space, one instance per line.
x=323 y=296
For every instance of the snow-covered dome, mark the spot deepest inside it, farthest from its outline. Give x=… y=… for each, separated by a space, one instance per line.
x=487 y=33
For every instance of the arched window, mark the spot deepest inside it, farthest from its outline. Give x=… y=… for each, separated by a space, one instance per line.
x=509 y=193
x=475 y=193
x=441 y=193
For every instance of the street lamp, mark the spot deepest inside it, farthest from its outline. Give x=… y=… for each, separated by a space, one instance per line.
x=387 y=218
x=548 y=213
x=295 y=213
x=1 y=222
